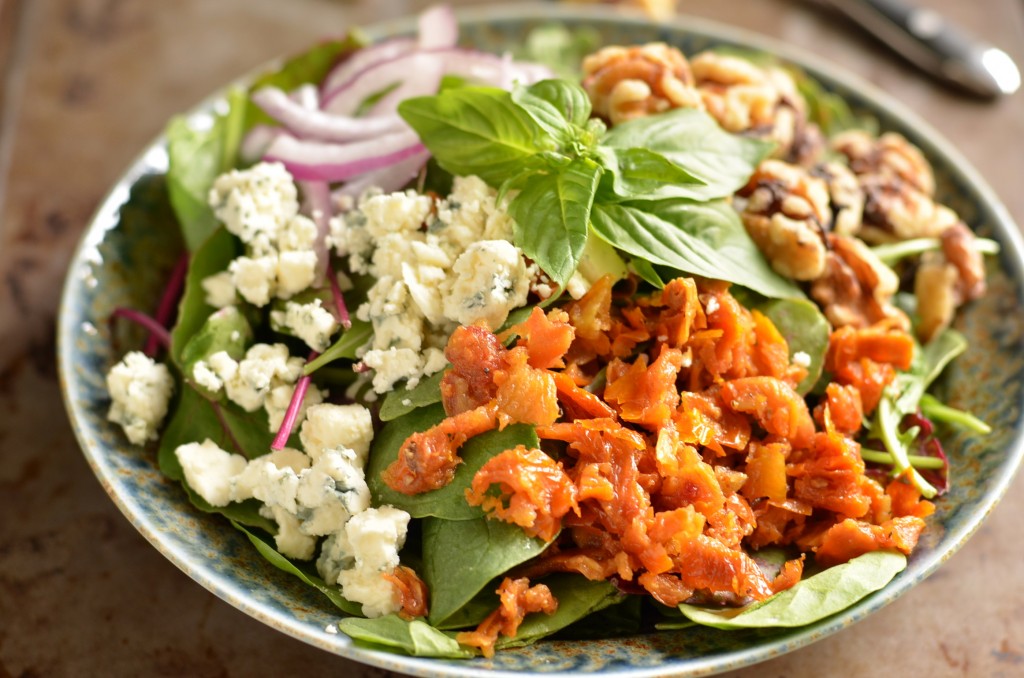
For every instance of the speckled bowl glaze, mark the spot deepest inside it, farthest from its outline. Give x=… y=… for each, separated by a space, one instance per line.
x=115 y=267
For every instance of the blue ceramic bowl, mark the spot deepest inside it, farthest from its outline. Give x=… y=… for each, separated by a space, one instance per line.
x=127 y=266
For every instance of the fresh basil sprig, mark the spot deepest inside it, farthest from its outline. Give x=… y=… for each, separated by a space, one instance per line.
x=649 y=187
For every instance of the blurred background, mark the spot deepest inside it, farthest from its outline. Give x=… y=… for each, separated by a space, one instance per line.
x=86 y=84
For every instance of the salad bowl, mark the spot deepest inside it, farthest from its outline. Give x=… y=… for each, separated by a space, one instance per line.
x=125 y=256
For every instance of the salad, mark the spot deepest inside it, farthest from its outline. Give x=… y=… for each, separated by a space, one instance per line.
x=506 y=350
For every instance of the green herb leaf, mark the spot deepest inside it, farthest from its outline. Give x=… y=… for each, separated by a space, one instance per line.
x=559 y=106
x=225 y=330
x=577 y=598
x=212 y=257
x=412 y=637
x=559 y=48
x=812 y=599
x=935 y=410
x=706 y=239
x=401 y=401
x=805 y=330
x=447 y=502
x=275 y=558
x=640 y=173
x=476 y=130
x=345 y=347
x=692 y=140
x=452 y=577
x=196 y=157
x=551 y=215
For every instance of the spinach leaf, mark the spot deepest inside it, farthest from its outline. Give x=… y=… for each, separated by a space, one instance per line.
x=812 y=599
x=706 y=239
x=413 y=637
x=476 y=130
x=212 y=257
x=196 y=157
x=622 y=617
x=275 y=558
x=577 y=597
x=692 y=140
x=461 y=557
x=345 y=347
x=427 y=392
x=551 y=214
x=805 y=329
x=225 y=330
x=448 y=502
x=195 y=419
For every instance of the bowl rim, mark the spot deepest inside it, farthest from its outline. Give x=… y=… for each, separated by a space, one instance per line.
x=153 y=158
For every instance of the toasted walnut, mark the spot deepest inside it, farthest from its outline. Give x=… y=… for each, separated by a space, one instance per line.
x=845 y=196
x=630 y=82
x=762 y=102
x=959 y=249
x=946 y=279
x=890 y=155
x=784 y=213
x=895 y=210
x=857 y=288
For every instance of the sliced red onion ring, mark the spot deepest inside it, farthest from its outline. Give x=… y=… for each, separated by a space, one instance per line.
x=320 y=161
x=307 y=96
x=388 y=179
x=315 y=124
x=429 y=68
x=367 y=56
x=318 y=201
x=438 y=27
x=257 y=141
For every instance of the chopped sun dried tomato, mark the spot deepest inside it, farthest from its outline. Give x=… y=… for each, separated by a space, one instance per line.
x=518 y=599
x=410 y=592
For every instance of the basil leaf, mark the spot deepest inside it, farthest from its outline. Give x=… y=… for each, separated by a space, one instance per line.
x=225 y=330
x=557 y=105
x=461 y=557
x=413 y=637
x=646 y=271
x=212 y=257
x=577 y=597
x=805 y=329
x=551 y=215
x=448 y=502
x=195 y=419
x=197 y=156
x=706 y=239
x=275 y=558
x=640 y=173
x=693 y=140
x=427 y=392
x=812 y=599
x=476 y=130
x=345 y=347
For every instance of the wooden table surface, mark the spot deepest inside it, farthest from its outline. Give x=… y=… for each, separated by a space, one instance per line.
x=85 y=85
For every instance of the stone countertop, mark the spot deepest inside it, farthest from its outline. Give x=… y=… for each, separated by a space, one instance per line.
x=85 y=85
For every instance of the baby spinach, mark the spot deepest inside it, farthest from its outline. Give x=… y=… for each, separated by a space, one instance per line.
x=577 y=598
x=196 y=156
x=275 y=558
x=812 y=599
x=805 y=330
x=225 y=330
x=413 y=637
x=212 y=257
x=699 y=238
x=345 y=347
x=461 y=557
x=448 y=502
x=401 y=401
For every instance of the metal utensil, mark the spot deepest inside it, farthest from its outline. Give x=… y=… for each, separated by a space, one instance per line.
x=926 y=39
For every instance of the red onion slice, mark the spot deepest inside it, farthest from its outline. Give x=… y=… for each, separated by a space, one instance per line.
x=317 y=196
x=388 y=179
x=321 y=161
x=257 y=141
x=314 y=124
x=438 y=27
x=365 y=57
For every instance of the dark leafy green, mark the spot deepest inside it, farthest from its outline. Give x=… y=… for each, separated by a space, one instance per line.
x=577 y=598
x=196 y=157
x=345 y=347
x=704 y=239
x=461 y=557
x=212 y=257
x=402 y=401
x=225 y=330
x=805 y=330
x=812 y=599
x=282 y=563
x=448 y=502
x=413 y=637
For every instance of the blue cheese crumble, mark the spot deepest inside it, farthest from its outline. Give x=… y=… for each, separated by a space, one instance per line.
x=140 y=389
